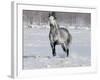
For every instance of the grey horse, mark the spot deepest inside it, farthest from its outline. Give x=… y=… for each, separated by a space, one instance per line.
x=58 y=36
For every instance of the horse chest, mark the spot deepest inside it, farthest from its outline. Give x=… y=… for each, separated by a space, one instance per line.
x=55 y=38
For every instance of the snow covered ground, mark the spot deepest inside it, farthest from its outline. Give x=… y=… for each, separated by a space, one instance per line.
x=38 y=54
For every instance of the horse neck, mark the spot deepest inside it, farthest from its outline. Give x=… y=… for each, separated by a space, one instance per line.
x=55 y=28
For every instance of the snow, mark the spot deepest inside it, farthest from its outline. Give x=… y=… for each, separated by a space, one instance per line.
x=38 y=53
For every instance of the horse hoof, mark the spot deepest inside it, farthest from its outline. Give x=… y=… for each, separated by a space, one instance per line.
x=54 y=54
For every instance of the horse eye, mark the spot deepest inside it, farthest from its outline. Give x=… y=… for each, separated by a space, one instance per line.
x=49 y=16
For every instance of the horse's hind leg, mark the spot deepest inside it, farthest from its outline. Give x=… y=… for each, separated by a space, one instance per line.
x=65 y=49
x=67 y=52
x=53 y=49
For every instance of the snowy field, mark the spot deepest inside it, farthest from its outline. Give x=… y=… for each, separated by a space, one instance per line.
x=38 y=54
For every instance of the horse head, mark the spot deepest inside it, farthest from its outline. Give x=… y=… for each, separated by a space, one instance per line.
x=52 y=19
x=52 y=14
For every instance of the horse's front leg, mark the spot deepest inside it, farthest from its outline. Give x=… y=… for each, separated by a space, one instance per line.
x=53 y=49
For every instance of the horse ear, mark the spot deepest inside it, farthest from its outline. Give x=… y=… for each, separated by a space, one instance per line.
x=54 y=14
x=55 y=17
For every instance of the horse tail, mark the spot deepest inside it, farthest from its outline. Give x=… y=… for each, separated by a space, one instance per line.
x=69 y=40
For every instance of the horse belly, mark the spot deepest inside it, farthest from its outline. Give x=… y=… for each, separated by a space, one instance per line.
x=64 y=36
